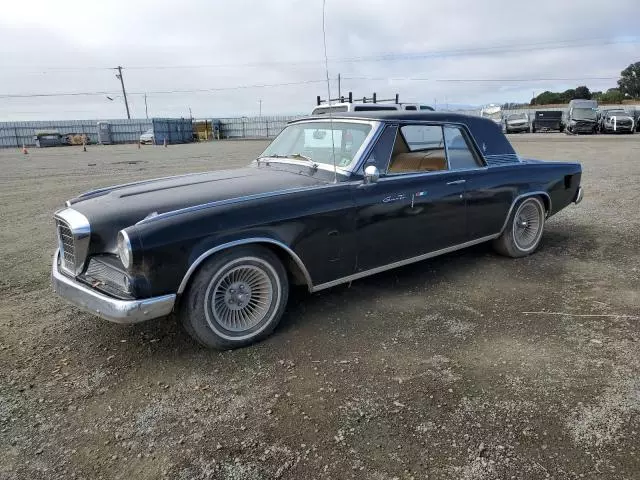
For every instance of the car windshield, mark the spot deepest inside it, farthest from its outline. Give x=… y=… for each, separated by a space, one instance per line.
x=148 y=132
x=517 y=116
x=316 y=142
x=584 y=114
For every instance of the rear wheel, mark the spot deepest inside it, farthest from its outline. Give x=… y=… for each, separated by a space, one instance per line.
x=523 y=233
x=236 y=298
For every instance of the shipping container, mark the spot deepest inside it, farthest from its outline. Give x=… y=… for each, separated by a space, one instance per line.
x=172 y=130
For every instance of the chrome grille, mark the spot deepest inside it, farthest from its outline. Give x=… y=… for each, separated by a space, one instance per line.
x=67 y=245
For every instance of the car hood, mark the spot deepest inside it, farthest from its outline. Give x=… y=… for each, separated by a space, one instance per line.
x=112 y=209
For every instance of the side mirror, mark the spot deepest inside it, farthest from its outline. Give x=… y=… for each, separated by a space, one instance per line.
x=371 y=174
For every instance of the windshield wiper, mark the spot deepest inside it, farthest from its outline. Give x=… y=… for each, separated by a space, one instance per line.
x=304 y=157
x=294 y=156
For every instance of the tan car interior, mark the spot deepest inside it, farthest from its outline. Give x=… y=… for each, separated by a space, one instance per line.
x=403 y=160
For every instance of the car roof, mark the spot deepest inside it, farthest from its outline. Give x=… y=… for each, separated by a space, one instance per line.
x=486 y=133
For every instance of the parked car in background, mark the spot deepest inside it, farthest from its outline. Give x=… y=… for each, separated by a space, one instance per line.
x=617 y=121
x=548 y=120
x=328 y=202
x=369 y=107
x=48 y=138
x=582 y=117
x=516 y=123
x=147 y=137
x=416 y=107
x=492 y=112
x=344 y=107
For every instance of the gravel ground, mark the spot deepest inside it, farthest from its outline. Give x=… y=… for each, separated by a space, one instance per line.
x=433 y=371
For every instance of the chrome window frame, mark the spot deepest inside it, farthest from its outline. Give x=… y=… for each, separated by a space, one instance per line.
x=400 y=123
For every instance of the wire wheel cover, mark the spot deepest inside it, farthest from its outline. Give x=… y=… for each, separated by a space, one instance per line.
x=241 y=297
x=527 y=225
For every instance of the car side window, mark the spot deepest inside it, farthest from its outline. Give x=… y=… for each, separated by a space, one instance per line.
x=461 y=156
x=418 y=148
x=381 y=152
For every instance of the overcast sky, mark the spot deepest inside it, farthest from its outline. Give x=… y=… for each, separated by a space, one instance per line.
x=411 y=47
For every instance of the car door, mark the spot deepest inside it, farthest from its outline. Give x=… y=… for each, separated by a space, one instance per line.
x=417 y=205
x=488 y=192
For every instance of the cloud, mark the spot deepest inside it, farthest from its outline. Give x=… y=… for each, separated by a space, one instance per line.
x=70 y=46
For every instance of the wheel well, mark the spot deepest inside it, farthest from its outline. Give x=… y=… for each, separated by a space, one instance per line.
x=546 y=202
x=297 y=273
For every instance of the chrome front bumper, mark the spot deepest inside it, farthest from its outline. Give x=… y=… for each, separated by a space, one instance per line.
x=109 y=308
x=579 y=195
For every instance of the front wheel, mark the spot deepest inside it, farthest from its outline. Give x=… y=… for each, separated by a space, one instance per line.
x=523 y=233
x=236 y=298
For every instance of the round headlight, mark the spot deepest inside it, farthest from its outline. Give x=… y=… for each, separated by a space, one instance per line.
x=124 y=249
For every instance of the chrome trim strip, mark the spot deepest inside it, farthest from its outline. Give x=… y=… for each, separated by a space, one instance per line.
x=108 y=308
x=579 y=196
x=81 y=230
x=245 y=241
x=401 y=263
x=446 y=148
x=231 y=201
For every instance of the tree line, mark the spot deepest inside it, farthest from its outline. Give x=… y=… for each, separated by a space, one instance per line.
x=628 y=89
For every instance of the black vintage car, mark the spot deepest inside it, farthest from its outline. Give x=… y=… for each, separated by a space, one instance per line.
x=329 y=201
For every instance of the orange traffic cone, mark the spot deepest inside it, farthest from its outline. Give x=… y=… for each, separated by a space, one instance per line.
x=24 y=149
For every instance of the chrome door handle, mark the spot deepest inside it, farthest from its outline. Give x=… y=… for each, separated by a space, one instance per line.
x=456 y=182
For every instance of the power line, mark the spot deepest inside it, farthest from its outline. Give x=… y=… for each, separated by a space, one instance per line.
x=392 y=56
x=307 y=82
x=477 y=80
x=160 y=92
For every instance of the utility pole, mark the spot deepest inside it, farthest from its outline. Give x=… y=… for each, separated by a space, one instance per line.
x=339 y=89
x=190 y=114
x=124 y=93
x=260 y=114
x=146 y=109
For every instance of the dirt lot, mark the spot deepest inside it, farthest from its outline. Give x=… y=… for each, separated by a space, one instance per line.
x=430 y=371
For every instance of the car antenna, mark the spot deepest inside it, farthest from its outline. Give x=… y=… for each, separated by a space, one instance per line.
x=326 y=70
